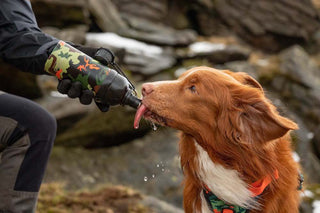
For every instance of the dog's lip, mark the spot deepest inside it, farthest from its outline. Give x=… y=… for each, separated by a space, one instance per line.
x=144 y=111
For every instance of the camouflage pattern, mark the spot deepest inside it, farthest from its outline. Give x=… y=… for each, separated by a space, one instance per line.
x=66 y=61
x=219 y=206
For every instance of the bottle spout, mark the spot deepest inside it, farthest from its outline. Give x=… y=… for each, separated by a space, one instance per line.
x=131 y=100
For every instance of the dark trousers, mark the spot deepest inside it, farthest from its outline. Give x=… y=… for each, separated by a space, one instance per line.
x=27 y=133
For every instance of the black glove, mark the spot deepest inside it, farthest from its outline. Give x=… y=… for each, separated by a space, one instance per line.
x=75 y=90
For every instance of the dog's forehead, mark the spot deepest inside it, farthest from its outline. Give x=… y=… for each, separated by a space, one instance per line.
x=207 y=72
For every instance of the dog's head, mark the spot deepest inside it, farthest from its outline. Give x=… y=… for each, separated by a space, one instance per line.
x=205 y=101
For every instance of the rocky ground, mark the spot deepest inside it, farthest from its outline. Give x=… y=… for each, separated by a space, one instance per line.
x=275 y=41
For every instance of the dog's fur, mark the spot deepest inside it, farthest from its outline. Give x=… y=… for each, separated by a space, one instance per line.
x=231 y=137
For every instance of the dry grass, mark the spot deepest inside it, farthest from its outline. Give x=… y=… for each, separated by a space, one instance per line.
x=117 y=199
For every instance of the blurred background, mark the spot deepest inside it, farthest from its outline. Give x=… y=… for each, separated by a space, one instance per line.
x=99 y=162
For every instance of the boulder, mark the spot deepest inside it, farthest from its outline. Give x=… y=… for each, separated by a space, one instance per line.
x=149 y=164
x=159 y=34
x=148 y=21
x=74 y=34
x=106 y=16
x=271 y=25
x=155 y=11
x=216 y=53
x=60 y=13
x=242 y=66
x=300 y=83
x=138 y=57
x=297 y=65
x=19 y=83
x=99 y=129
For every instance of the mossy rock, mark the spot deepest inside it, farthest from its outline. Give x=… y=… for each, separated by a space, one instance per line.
x=100 y=129
x=18 y=83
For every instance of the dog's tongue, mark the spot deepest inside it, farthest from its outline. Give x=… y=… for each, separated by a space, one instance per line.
x=140 y=112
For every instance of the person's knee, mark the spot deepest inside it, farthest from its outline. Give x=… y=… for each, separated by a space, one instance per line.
x=45 y=126
x=48 y=124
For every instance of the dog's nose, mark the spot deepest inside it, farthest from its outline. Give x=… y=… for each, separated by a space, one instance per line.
x=147 y=88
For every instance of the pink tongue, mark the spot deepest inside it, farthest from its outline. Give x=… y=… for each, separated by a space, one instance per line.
x=140 y=112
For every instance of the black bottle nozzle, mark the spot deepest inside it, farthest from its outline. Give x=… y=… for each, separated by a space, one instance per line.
x=131 y=100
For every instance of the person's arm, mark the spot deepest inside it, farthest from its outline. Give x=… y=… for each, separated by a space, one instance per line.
x=22 y=43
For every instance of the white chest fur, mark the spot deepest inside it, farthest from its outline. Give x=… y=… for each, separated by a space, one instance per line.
x=224 y=183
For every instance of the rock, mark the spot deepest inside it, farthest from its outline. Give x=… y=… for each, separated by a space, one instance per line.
x=67 y=111
x=271 y=25
x=159 y=34
x=18 y=83
x=60 y=13
x=243 y=66
x=138 y=57
x=149 y=22
x=159 y=205
x=150 y=165
x=297 y=65
x=74 y=34
x=217 y=53
x=106 y=16
x=155 y=11
x=99 y=129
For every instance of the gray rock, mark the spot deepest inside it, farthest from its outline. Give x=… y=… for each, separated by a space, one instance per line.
x=138 y=57
x=217 y=53
x=155 y=33
x=243 y=66
x=297 y=65
x=74 y=34
x=145 y=9
x=106 y=15
x=271 y=25
x=63 y=107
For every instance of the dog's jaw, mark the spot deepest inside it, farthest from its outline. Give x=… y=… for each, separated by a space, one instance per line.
x=224 y=183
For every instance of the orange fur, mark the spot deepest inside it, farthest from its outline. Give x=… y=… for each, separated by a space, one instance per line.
x=228 y=115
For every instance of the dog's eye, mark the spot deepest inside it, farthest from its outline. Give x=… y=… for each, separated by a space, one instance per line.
x=193 y=89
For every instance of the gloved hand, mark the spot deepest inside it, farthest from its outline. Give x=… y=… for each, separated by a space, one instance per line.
x=109 y=86
x=75 y=89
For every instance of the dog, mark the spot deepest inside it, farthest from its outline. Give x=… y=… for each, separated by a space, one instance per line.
x=235 y=148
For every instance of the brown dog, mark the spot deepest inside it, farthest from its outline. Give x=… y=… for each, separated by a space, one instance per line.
x=235 y=151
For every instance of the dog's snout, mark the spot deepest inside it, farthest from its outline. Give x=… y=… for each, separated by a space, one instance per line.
x=147 y=89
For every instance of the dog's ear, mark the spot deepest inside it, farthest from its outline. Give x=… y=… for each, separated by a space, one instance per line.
x=245 y=79
x=259 y=119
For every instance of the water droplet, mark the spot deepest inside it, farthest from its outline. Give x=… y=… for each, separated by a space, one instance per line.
x=162 y=170
x=154 y=126
x=145 y=178
x=158 y=165
x=153 y=175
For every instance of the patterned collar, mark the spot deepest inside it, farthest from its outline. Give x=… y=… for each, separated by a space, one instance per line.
x=217 y=205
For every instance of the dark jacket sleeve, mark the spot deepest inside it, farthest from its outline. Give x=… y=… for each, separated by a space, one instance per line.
x=22 y=43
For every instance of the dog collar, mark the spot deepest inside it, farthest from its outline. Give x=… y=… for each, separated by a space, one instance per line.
x=217 y=205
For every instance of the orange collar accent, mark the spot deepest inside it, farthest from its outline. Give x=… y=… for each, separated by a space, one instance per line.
x=259 y=186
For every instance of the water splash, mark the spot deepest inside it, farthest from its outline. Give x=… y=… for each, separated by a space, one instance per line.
x=145 y=178
x=153 y=175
